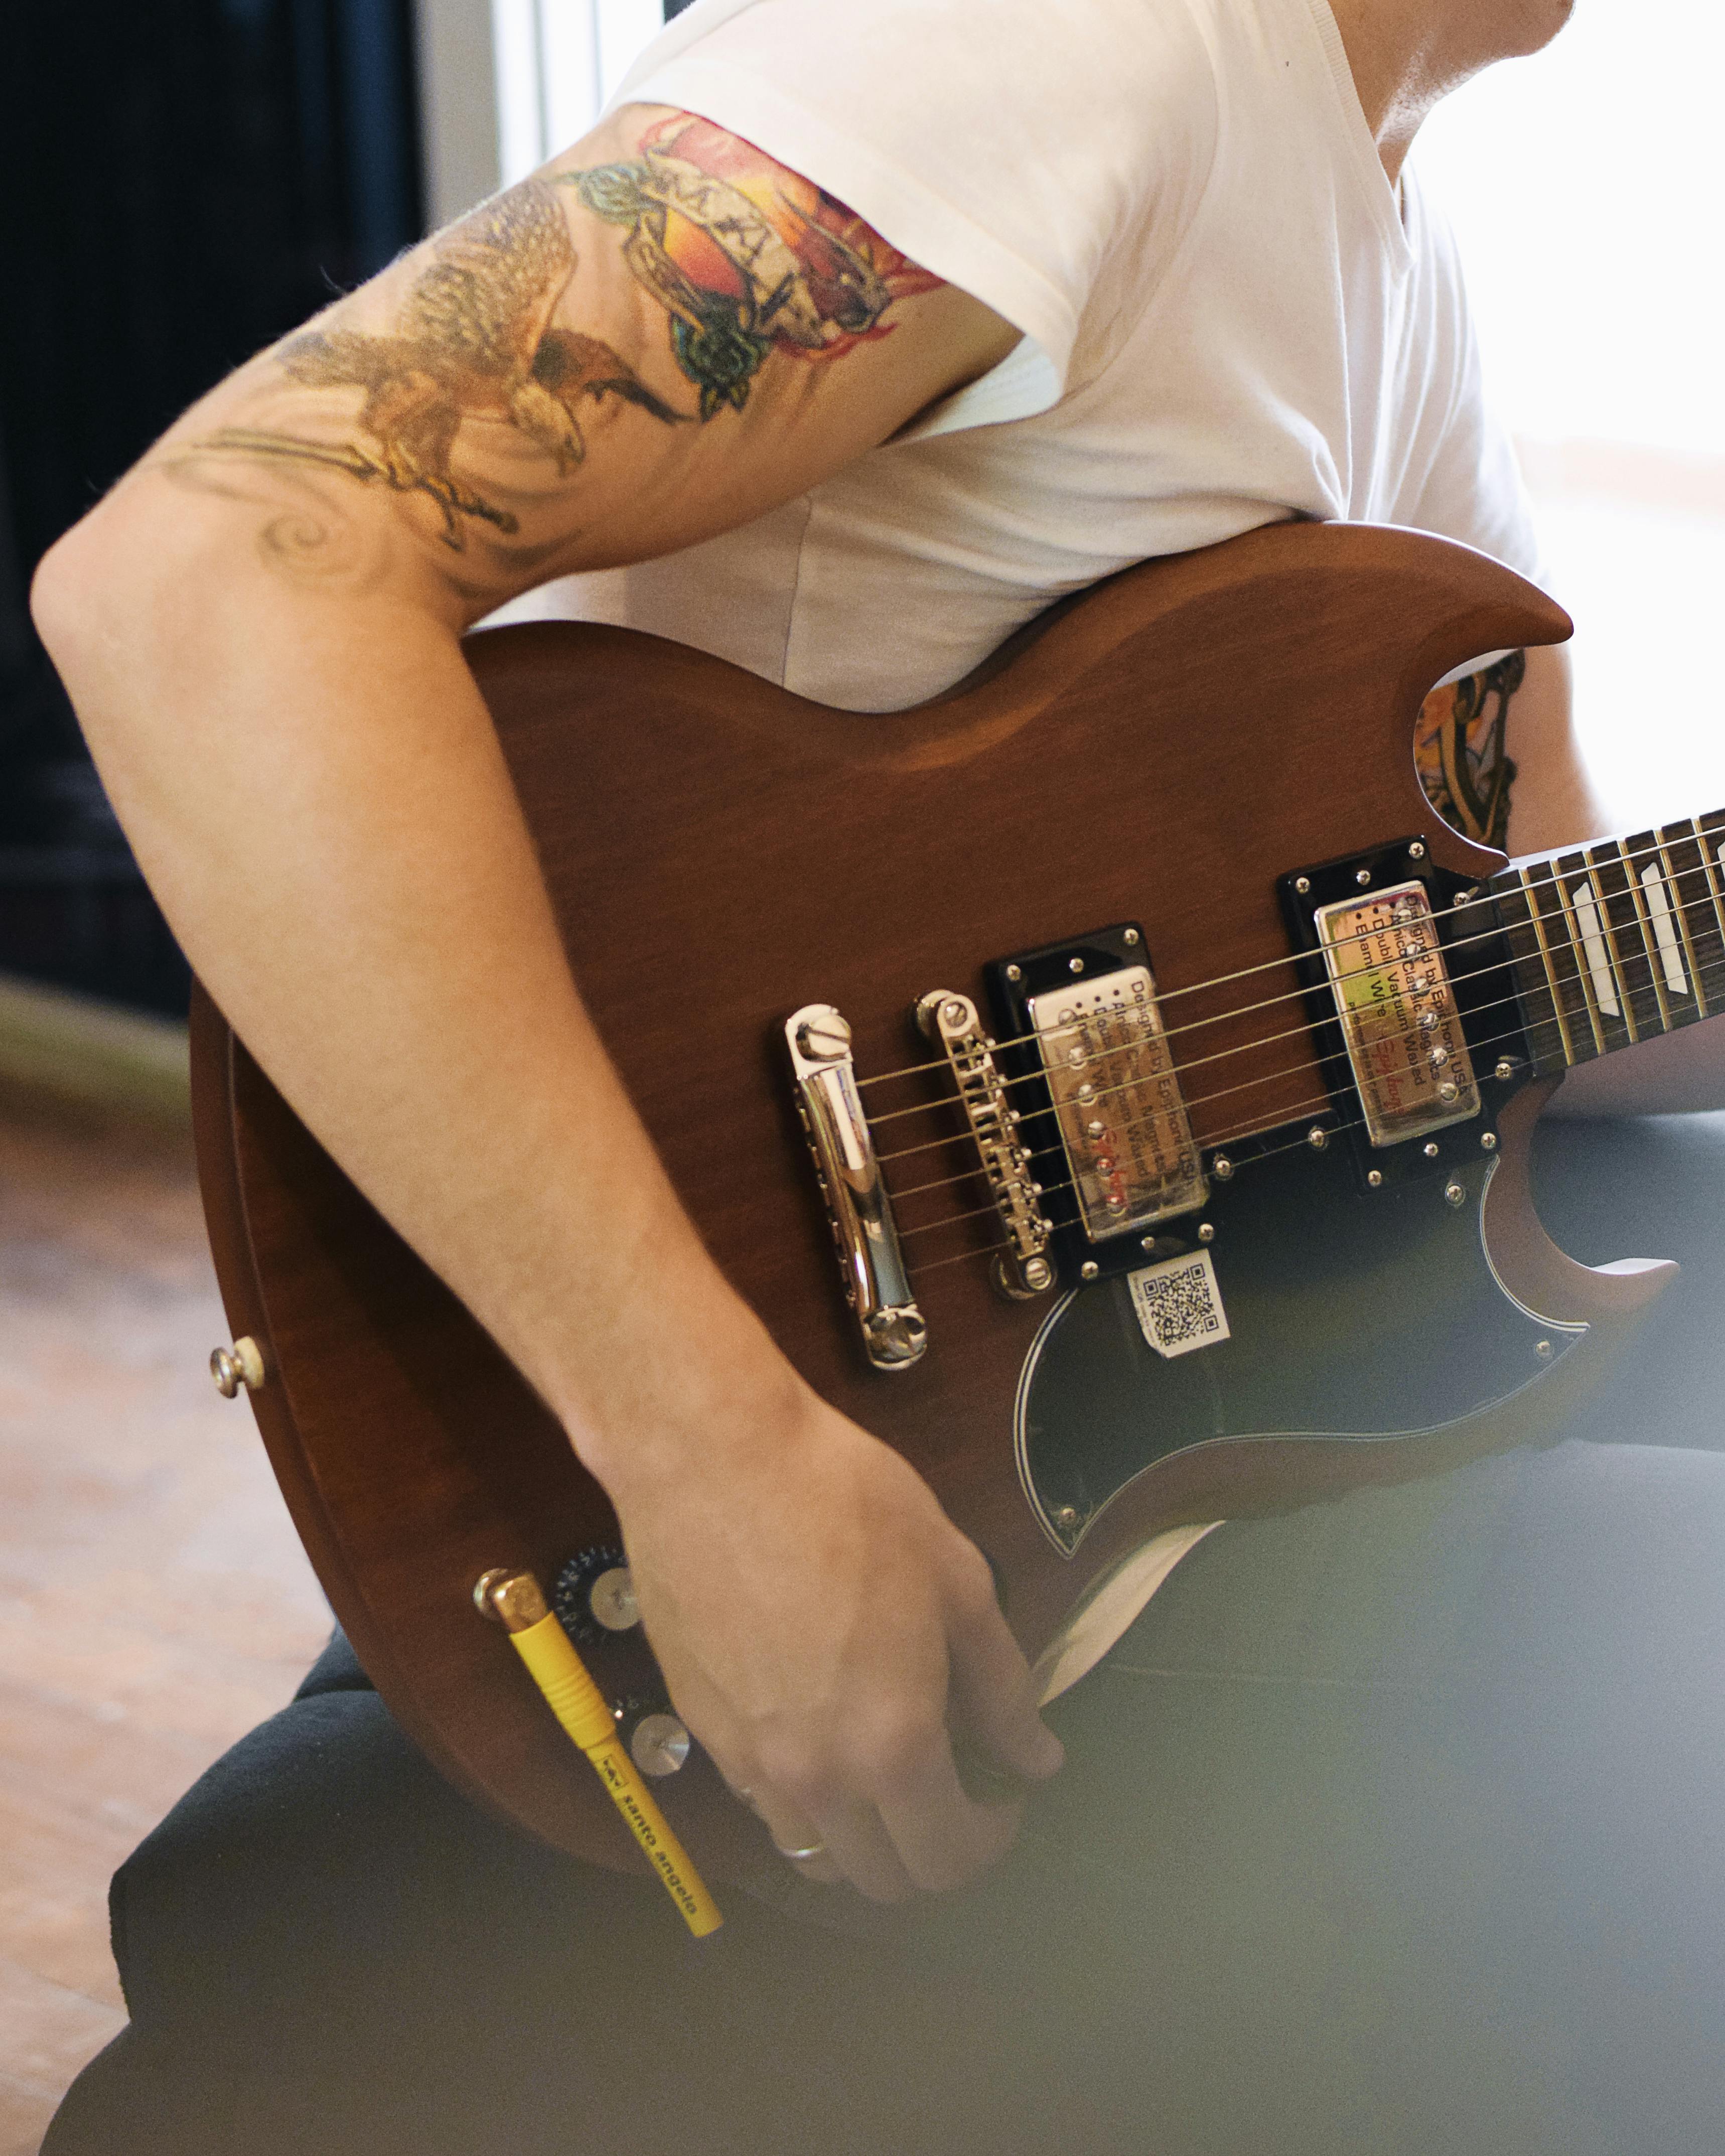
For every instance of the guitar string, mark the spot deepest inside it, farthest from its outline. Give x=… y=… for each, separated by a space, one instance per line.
x=1682 y=909
x=1198 y=1100
x=988 y=1250
x=1661 y=844
x=1270 y=1152
x=1568 y=945
x=1210 y=1143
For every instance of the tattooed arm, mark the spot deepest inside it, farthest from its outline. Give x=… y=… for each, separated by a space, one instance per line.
x=661 y=335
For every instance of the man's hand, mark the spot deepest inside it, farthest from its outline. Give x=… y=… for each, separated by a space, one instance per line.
x=822 y=1627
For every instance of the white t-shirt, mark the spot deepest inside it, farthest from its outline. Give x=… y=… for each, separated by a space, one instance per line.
x=1229 y=317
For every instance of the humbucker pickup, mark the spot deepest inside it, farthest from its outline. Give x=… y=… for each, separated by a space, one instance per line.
x=1086 y=1035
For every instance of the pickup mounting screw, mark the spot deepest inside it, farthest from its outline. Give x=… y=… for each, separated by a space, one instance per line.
x=1318 y=1138
x=1222 y=1167
x=1302 y=885
x=1488 y=1140
x=1431 y=1150
x=1074 y=965
x=1089 y=1269
x=1130 y=936
x=1363 y=877
x=1206 y=1234
x=1416 y=852
x=1454 y=1194
x=1374 y=1176
x=1505 y=1068
x=1014 y=973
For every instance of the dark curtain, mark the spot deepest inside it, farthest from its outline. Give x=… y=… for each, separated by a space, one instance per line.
x=184 y=181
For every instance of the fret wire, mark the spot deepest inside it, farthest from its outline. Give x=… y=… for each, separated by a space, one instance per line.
x=1676 y=1004
x=1565 y=967
x=1674 y=894
x=1681 y=878
x=1628 y=940
x=1710 y=865
x=1534 y=928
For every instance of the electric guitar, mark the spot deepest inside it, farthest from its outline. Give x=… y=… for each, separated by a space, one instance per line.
x=1110 y=1082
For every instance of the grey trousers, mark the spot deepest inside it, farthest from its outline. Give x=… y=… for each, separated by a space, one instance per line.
x=1394 y=1827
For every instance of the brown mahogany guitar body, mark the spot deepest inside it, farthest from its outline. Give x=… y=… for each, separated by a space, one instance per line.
x=721 y=853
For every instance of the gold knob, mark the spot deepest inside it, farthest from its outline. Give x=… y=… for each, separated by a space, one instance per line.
x=240 y=1365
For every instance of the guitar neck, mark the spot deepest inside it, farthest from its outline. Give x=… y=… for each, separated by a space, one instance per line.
x=1617 y=940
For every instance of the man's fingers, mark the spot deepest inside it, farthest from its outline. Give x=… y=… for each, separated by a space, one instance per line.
x=993 y=1692
x=940 y=1834
x=849 y=1843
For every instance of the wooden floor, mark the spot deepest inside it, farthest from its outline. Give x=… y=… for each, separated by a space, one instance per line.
x=154 y=1603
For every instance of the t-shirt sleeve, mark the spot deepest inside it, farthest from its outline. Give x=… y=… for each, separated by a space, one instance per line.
x=1001 y=145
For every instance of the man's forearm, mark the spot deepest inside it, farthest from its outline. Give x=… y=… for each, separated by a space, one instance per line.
x=313 y=787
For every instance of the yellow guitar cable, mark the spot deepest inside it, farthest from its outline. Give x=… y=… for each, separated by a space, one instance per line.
x=561 y=1675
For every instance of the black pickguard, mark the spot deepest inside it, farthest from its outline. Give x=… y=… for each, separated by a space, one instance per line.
x=1357 y=1313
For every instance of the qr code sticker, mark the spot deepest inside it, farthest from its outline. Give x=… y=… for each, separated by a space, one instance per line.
x=1179 y=1305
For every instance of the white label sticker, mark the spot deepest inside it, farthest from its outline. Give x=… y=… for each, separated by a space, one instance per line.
x=1179 y=1305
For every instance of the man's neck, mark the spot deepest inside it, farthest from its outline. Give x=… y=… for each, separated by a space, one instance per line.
x=1407 y=55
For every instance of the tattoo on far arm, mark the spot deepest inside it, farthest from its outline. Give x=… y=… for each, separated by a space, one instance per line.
x=1459 y=748
x=745 y=258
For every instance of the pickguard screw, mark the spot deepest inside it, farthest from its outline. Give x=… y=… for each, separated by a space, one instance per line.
x=1302 y=885
x=1431 y=1150
x=1318 y=1138
x=1066 y=1516
x=1375 y=1176
x=1488 y=1140
x=1074 y=965
x=1130 y=936
x=1206 y=1234
x=1014 y=973
x=1089 y=1269
x=1416 y=852
x=1222 y=1167
x=1363 y=877
x=1505 y=1068
x=1454 y=1194
x=1543 y=1350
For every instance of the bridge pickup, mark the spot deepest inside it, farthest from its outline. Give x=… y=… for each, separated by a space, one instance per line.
x=1086 y=1015
x=876 y=1285
x=1023 y=1268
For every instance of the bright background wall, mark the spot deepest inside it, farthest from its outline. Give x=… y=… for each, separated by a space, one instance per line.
x=1583 y=186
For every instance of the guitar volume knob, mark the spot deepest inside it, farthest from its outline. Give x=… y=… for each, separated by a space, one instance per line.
x=594 y=1596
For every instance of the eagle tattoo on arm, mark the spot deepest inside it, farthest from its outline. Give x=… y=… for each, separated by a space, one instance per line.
x=747 y=259
x=474 y=341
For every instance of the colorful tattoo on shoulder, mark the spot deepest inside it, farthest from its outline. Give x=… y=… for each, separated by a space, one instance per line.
x=745 y=258
x=1459 y=748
